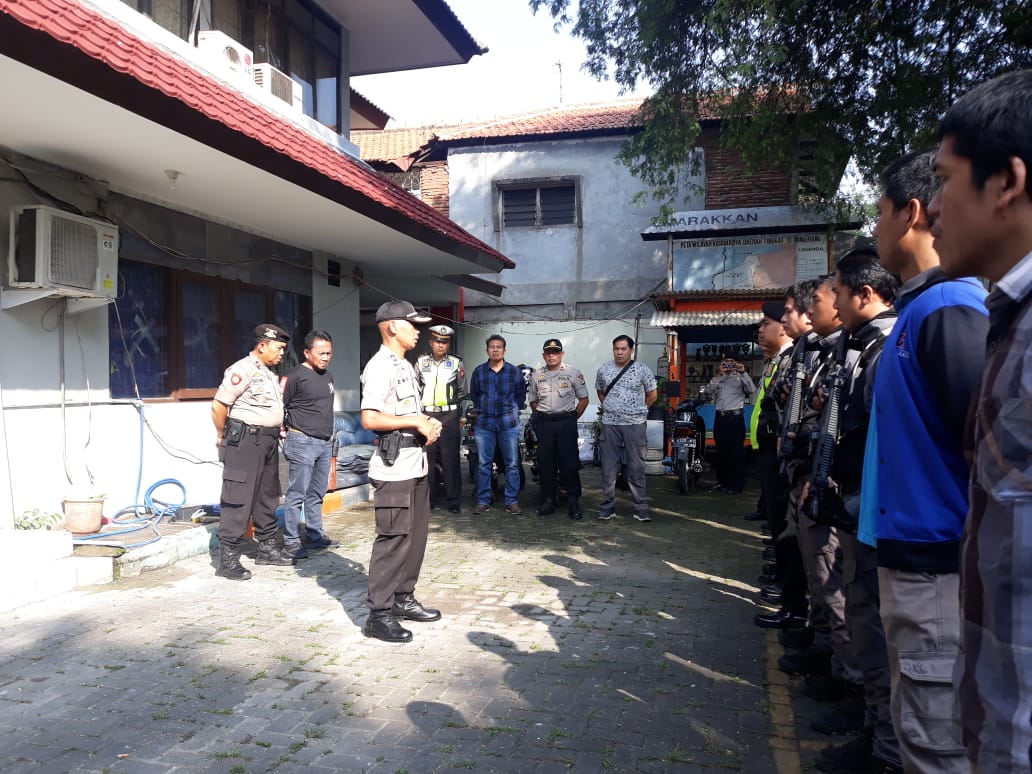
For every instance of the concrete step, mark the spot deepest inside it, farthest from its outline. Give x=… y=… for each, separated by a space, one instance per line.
x=37 y=564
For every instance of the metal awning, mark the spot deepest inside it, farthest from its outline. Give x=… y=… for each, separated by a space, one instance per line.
x=667 y=319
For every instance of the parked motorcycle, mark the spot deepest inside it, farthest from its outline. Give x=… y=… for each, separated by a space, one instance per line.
x=688 y=443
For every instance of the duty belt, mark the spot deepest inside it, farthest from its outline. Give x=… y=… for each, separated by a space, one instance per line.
x=729 y=413
x=556 y=417
x=259 y=430
x=438 y=409
x=407 y=441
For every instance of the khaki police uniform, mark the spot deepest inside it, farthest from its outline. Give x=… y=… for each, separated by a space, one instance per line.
x=250 y=475
x=442 y=385
x=401 y=497
x=555 y=395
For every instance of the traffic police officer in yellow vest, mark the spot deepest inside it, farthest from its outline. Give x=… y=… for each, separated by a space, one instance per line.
x=558 y=396
x=442 y=388
x=248 y=416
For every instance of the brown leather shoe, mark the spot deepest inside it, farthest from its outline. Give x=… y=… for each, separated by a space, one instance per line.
x=481 y=507
x=514 y=509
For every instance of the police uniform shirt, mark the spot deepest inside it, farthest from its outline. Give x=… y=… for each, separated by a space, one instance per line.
x=252 y=393
x=558 y=391
x=442 y=380
x=729 y=391
x=389 y=386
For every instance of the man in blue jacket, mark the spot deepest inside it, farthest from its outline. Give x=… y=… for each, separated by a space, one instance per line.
x=914 y=497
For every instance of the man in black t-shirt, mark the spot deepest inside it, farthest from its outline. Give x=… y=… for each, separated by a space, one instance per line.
x=308 y=406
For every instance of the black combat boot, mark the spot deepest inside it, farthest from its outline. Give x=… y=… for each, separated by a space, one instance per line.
x=382 y=625
x=547 y=508
x=272 y=552
x=229 y=562
x=408 y=608
x=573 y=506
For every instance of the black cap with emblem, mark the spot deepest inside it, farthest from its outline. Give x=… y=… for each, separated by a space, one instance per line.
x=400 y=310
x=270 y=332
x=553 y=344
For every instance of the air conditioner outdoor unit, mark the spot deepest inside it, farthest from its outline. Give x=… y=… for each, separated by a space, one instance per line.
x=279 y=84
x=223 y=50
x=53 y=252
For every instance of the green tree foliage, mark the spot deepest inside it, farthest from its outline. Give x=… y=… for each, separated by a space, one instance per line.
x=791 y=79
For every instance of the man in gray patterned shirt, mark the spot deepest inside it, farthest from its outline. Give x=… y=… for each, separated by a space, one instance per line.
x=625 y=391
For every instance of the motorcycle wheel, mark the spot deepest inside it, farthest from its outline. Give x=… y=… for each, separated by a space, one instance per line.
x=474 y=465
x=684 y=480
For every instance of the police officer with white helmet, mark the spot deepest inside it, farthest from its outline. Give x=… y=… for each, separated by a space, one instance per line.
x=442 y=388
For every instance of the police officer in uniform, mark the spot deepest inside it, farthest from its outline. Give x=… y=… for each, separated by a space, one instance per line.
x=248 y=414
x=558 y=395
x=397 y=472
x=442 y=387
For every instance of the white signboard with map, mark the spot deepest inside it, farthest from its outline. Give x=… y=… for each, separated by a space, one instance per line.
x=747 y=263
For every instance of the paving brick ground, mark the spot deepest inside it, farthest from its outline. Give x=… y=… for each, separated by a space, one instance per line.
x=565 y=646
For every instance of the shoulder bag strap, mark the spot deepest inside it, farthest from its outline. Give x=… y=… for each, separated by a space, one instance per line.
x=612 y=384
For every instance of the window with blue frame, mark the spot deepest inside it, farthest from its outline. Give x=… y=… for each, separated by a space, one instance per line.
x=173 y=333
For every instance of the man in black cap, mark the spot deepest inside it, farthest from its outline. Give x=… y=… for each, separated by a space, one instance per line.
x=248 y=414
x=558 y=396
x=442 y=387
x=397 y=472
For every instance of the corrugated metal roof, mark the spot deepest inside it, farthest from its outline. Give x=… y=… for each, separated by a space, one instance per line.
x=664 y=319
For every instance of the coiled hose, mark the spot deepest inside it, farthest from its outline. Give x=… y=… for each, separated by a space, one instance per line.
x=134 y=518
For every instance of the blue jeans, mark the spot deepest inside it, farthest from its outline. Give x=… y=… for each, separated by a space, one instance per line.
x=309 y=460
x=509 y=442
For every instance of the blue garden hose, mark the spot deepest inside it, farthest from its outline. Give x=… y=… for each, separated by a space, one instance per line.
x=133 y=518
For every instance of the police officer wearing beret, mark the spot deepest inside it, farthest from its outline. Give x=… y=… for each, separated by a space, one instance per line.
x=248 y=414
x=442 y=387
x=558 y=396
x=397 y=472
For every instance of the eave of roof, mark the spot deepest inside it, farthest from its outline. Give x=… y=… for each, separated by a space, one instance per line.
x=81 y=47
x=444 y=18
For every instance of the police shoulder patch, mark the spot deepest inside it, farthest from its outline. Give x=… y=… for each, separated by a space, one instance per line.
x=235 y=379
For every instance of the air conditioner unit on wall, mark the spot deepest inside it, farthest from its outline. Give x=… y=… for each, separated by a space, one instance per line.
x=226 y=52
x=279 y=84
x=55 y=253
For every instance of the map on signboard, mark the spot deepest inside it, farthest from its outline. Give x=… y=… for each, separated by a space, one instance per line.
x=747 y=263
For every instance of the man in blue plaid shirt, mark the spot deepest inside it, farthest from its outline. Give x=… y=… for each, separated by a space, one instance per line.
x=498 y=392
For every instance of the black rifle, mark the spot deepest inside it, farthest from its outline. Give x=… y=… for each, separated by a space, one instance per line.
x=794 y=408
x=821 y=506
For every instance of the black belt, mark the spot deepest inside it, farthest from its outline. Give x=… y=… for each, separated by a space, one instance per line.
x=439 y=409
x=407 y=441
x=557 y=417
x=259 y=430
x=731 y=413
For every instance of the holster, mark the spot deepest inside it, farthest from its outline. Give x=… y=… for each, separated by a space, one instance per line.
x=389 y=445
x=233 y=432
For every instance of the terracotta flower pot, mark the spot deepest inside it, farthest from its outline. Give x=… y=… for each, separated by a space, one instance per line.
x=83 y=517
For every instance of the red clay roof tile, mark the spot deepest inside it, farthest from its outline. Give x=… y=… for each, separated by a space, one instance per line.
x=106 y=41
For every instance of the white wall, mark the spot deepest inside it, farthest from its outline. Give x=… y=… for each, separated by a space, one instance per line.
x=562 y=272
x=336 y=310
x=585 y=346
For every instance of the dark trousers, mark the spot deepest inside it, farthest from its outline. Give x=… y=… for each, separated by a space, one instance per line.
x=402 y=511
x=788 y=561
x=445 y=453
x=557 y=449
x=729 y=435
x=250 y=488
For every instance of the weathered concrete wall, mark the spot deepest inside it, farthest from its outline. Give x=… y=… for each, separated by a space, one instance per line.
x=598 y=271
